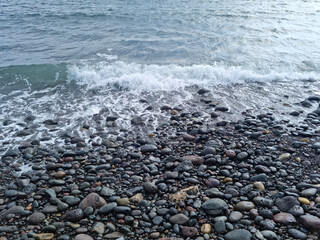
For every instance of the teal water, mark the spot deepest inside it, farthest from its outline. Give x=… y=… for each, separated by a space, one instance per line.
x=75 y=59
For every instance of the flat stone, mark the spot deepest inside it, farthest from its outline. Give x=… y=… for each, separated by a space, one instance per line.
x=122 y=210
x=37 y=218
x=74 y=215
x=189 y=232
x=123 y=201
x=154 y=235
x=297 y=234
x=270 y=235
x=284 y=156
x=196 y=160
x=310 y=192
x=107 y=192
x=16 y=210
x=179 y=219
x=98 y=228
x=92 y=200
x=238 y=234
x=8 y=229
x=206 y=228
x=215 y=206
x=137 y=198
x=284 y=218
x=108 y=208
x=235 y=216
x=262 y=177
x=148 y=148
x=244 y=206
x=310 y=222
x=49 y=209
x=150 y=187
x=285 y=203
x=303 y=200
x=296 y=210
x=44 y=236
x=188 y=137
x=83 y=237
x=113 y=235
x=220 y=227
x=208 y=150
x=259 y=185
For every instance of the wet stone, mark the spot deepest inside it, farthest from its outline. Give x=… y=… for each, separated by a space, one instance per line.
x=189 y=232
x=107 y=208
x=179 y=219
x=238 y=234
x=285 y=203
x=74 y=215
x=37 y=218
x=235 y=216
x=297 y=234
x=284 y=218
x=8 y=229
x=310 y=222
x=148 y=148
x=310 y=192
x=296 y=210
x=262 y=177
x=150 y=187
x=83 y=237
x=92 y=200
x=215 y=206
x=244 y=206
x=270 y=235
x=107 y=192
x=220 y=227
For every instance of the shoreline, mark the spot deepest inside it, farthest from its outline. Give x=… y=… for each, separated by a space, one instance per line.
x=255 y=178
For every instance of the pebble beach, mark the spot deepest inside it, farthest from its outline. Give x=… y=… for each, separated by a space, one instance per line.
x=254 y=178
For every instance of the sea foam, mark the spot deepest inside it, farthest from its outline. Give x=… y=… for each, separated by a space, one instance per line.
x=120 y=75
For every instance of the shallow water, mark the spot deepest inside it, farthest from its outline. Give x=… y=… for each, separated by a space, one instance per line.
x=79 y=61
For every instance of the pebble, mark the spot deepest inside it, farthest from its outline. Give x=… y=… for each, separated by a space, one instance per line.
x=148 y=148
x=285 y=203
x=297 y=234
x=189 y=232
x=150 y=187
x=83 y=237
x=310 y=222
x=284 y=218
x=259 y=185
x=99 y=228
x=179 y=219
x=284 y=156
x=215 y=206
x=244 y=206
x=74 y=215
x=238 y=234
x=310 y=192
x=303 y=200
x=44 y=236
x=235 y=216
x=206 y=228
x=92 y=200
x=270 y=235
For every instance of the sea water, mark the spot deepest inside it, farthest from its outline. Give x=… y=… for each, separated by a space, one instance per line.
x=78 y=61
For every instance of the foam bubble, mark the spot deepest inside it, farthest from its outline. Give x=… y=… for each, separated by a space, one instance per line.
x=141 y=77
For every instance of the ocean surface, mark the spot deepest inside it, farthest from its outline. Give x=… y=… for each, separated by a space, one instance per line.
x=77 y=62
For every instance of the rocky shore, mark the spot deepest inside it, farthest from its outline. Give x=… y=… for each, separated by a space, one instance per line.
x=256 y=178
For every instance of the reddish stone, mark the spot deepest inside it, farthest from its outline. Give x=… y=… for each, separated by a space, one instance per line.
x=189 y=232
x=230 y=154
x=196 y=160
x=284 y=218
